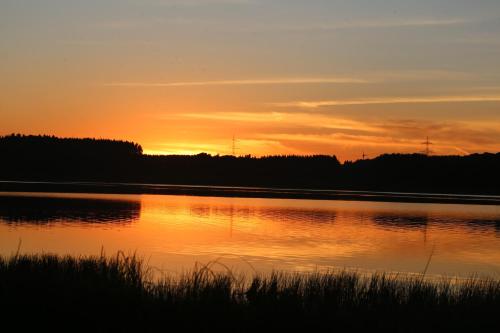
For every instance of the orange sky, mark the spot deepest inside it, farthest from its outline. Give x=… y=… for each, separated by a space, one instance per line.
x=296 y=77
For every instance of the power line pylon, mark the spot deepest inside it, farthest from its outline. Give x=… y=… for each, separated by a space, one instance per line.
x=234 y=146
x=427 y=144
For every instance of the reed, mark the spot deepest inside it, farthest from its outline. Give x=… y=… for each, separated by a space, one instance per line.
x=119 y=293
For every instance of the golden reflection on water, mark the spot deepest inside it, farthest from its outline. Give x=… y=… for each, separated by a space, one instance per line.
x=174 y=232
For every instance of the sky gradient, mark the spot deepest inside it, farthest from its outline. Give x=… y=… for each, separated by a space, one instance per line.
x=284 y=77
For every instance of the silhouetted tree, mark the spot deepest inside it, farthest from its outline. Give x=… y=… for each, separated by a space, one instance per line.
x=60 y=159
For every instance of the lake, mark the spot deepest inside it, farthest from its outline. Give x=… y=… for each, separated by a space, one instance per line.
x=173 y=233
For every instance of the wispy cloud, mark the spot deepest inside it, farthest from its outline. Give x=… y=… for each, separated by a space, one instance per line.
x=425 y=22
x=193 y=2
x=409 y=75
x=379 y=24
x=390 y=100
x=238 y=116
x=344 y=135
x=356 y=78
x=281 y=119
x=399 y=135
x=245 y=82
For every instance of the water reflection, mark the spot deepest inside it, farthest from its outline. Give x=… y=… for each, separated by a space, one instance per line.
x=480 y=224
x=47 y=210
x=401 y=221
x=484 y=224
x=274 y=214
x=418 y=221
x=174 y=232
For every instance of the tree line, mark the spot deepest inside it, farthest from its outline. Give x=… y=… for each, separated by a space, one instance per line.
x=48 y=158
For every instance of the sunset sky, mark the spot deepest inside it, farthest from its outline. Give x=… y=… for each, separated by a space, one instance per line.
x=283 y=76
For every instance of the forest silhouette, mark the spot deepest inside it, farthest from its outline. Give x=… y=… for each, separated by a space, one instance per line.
x=48 y=158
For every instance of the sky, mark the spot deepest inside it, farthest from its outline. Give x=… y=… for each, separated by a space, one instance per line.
x=342 y=77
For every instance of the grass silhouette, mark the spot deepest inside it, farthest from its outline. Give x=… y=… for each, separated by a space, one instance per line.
x=120 y=294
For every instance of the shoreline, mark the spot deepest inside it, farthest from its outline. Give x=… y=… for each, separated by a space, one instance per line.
x=245 y=192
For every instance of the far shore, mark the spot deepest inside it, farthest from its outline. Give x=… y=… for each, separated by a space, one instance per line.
x=244 y=192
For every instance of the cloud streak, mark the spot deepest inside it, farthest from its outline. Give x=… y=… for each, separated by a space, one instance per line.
x=405 y=23
x=190 y=3
x=390 y=100
x=379 y=24
x=346 y=136
x=367 y=78
x=245 y=82
x=277 y=118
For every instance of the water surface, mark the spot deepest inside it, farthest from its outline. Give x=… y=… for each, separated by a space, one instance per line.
x=174 y=232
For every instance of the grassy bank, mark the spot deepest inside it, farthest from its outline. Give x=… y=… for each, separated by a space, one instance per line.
x=117 y=294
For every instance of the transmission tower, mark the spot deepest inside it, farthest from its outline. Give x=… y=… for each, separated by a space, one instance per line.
x=427 y=144
x=234 y=146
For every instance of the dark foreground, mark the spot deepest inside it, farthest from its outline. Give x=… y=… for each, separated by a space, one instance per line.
x=116 y=294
